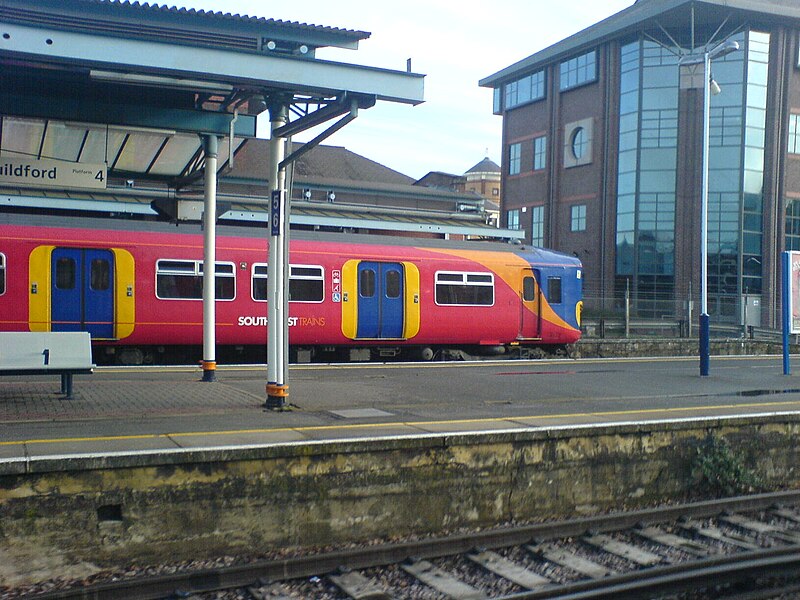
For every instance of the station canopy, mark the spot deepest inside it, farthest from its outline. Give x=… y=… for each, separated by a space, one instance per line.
x=98 y=96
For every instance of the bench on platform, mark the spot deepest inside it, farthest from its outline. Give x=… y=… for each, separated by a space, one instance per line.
x=64 y=353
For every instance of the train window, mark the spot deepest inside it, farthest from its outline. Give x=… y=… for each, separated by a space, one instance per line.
x=366 y=284
x=100 y=275
x=472 y=278
x=393 y=286
x=306 y=283
x=472 y=289
x=528 y=289
x=2 y=274
x=65 y=273
x=183 y=280
x=259 y=282
x=554 y=290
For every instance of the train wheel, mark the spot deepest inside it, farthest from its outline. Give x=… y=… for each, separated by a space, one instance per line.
x=426 y=353
x=135 y=357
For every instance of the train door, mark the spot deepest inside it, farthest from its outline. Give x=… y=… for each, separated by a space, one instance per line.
x=380 y=300
x=83 y=291
x=531 y=306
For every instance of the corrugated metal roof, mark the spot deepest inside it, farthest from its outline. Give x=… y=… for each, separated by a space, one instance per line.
x=224 y=16
x=186 y=26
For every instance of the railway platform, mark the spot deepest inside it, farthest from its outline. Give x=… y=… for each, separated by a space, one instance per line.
x=169 y=408
x=154 y=464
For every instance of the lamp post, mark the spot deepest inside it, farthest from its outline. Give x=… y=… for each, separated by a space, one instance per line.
x=709 y=87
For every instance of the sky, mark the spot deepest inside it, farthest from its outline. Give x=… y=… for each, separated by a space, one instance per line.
x=455 y=44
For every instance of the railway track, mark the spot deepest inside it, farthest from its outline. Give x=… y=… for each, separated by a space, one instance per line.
x=744 y=547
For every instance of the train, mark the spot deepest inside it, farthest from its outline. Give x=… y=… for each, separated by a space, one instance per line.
x=136 y=287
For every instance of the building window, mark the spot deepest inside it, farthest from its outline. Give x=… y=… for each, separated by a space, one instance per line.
x=540 y=153
x=514 y=157
x=794 y=134
x=512 y=219
x=464 y=289
x=578 y=71
x=183 y=280
x=522 y=91
x=792 y=225
x=579 y=143
x=578 y=218
x=537 y=225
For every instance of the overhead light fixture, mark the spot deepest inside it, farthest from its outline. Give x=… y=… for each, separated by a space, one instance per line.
x=159 y=81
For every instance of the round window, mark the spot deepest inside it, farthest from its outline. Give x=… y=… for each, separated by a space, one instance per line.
x=579 y=142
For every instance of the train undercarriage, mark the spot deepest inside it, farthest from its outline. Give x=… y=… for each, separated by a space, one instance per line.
x=183 y=355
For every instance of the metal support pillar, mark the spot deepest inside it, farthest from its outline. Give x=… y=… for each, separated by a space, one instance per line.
x=705 y=59
x=210 y=146
x=704 y=349
x=277 y=267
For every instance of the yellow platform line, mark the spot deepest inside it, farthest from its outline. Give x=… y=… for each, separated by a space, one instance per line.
x=397 y=424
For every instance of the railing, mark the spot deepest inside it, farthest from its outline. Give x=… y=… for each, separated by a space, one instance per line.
x=630 y=317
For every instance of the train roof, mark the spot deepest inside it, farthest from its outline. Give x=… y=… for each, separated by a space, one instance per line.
x=533 y=253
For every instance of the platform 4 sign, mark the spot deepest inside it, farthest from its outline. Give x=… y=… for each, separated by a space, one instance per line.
x=51 y=173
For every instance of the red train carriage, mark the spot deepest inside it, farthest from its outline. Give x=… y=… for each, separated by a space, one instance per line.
x=137 y=288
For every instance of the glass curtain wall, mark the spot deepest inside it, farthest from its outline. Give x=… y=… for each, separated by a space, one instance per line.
x=736 y=176
x=647 y=176
x=646 y=182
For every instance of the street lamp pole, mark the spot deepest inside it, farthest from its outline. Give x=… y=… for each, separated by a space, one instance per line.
x=719 y=51
x=705 y=344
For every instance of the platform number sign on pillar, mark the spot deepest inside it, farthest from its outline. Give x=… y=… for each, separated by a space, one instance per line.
x=276 y=212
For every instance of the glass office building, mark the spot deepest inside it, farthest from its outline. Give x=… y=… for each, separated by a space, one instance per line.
x=632 y=89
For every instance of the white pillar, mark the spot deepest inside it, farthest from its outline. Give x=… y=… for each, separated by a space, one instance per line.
x=277 y=268
x=210 y=145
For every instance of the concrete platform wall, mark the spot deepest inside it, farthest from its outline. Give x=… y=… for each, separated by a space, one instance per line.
x=177 y=506
x=589 y=347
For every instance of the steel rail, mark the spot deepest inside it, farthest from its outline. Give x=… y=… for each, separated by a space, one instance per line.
x=691 y=576
x=160 y=586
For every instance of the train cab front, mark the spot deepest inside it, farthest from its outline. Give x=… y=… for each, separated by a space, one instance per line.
x=560 y=279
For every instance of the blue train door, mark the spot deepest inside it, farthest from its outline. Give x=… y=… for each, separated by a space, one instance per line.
x=380 y=300
x=83 y=291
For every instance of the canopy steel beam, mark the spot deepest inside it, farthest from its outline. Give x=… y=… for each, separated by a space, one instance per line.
x=238 y=69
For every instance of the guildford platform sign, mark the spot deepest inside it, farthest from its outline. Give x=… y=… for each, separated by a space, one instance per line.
x=51 y=173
